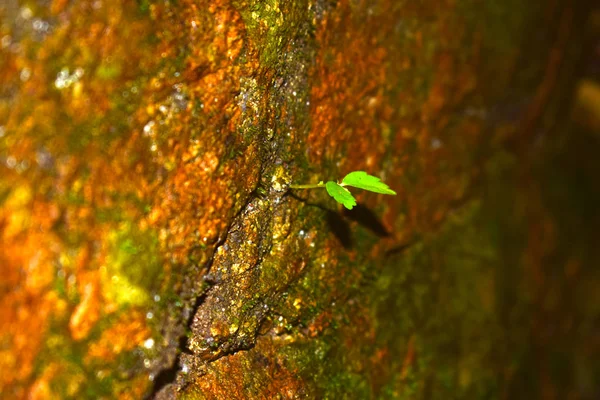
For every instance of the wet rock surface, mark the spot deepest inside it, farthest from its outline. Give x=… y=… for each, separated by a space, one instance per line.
x=151 y=247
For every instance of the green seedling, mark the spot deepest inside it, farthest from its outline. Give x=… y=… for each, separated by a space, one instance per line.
x=357 y=179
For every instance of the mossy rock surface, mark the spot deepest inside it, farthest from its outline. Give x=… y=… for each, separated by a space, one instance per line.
x=151 y=245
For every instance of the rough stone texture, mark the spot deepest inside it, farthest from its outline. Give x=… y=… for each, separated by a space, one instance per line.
x=151 y=247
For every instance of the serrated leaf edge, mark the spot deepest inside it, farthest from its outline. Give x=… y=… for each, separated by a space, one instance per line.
x=378 y=180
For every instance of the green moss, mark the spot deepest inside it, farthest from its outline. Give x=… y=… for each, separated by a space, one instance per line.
x=108 y=71
x=324 y=365
x=269 y=24
x=440 y=305
x=132 y=270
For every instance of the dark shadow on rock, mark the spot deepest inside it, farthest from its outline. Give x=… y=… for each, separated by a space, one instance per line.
x=368 y=219
x=340 y=228
x=398 y=249
x=338 y=221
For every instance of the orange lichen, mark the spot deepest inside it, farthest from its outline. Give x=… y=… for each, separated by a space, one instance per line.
x=134 y=390
x=40 y=389
x=57 y=129
x=199 y=188
x=259 y=373
x=87 y=312
x=25 y=265
x=319 y=324
x=129 y=332
x=347 y=101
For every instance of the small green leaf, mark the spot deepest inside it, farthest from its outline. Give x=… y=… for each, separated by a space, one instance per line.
x=340 y=194
x=362 y=180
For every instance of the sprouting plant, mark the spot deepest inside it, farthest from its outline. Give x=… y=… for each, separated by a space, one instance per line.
x=357 y=179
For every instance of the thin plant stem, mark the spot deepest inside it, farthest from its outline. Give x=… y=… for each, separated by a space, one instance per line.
x=308 y=186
